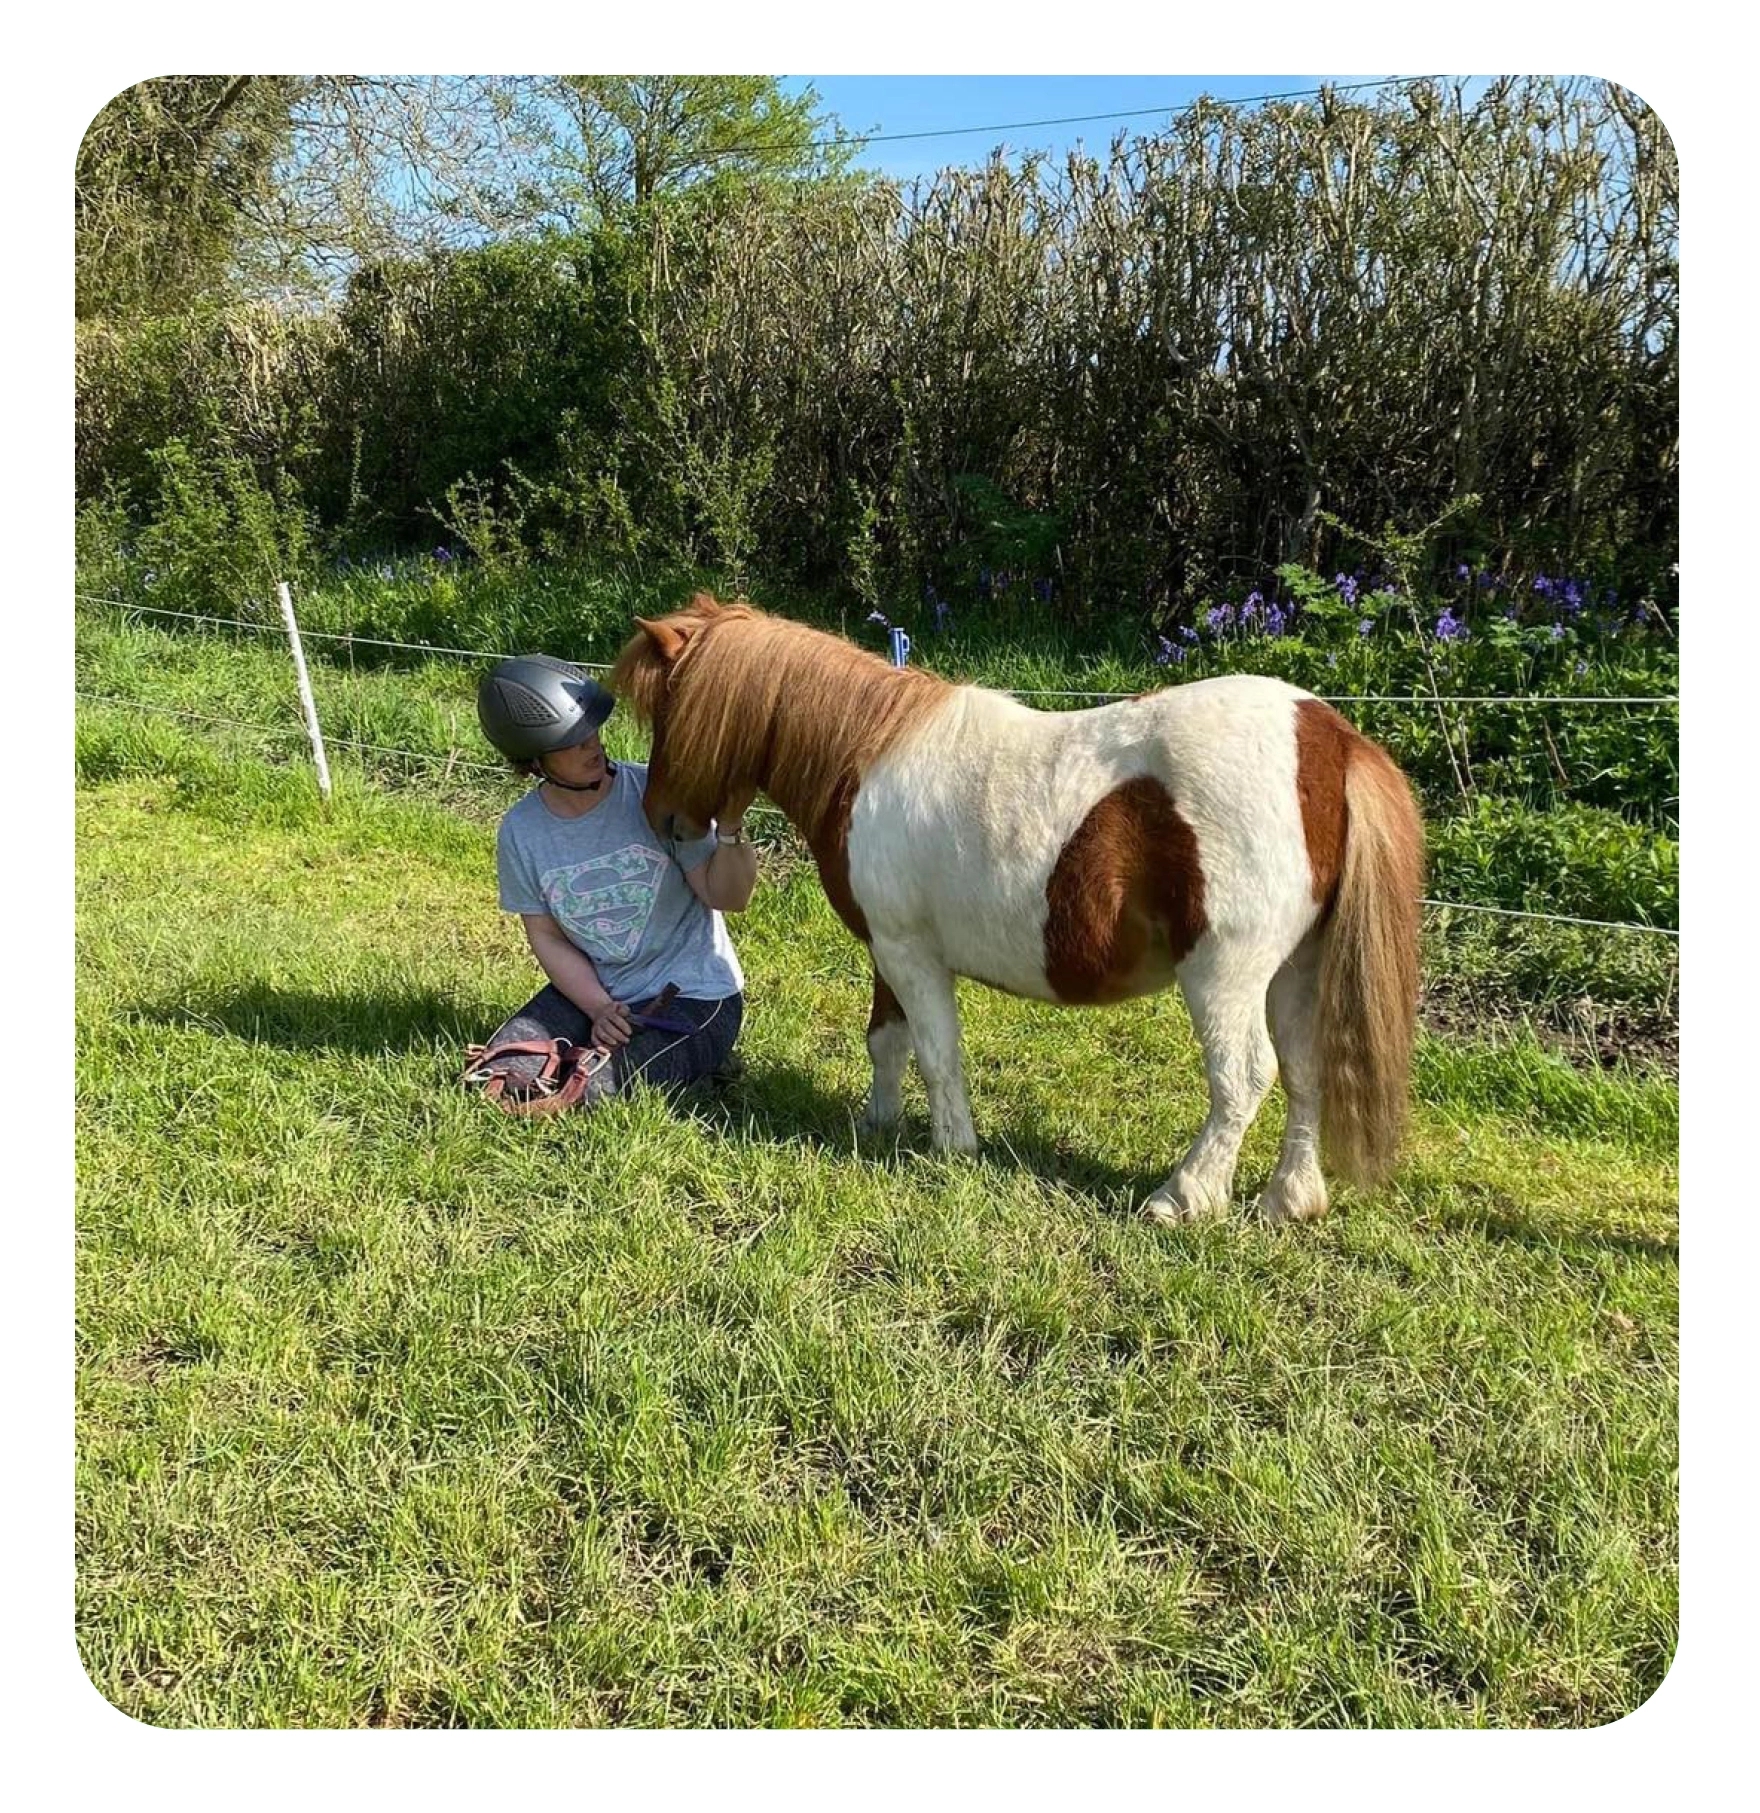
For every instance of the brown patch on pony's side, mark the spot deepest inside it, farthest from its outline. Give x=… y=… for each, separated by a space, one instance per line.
x=1323 y=746
x=1127 y=890
x=745 y=699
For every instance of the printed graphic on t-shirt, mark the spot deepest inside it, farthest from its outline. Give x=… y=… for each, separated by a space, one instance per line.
x=607 y=903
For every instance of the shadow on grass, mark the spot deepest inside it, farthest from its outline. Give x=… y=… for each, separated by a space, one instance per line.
x=780 y=1102
x=369 y=1022
x=785 y=1103
x=1499 y=1216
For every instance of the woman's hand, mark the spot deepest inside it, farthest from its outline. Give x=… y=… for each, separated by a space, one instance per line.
x=611 y=1025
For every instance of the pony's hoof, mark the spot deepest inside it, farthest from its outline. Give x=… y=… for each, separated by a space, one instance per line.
x=964 y=1145
x=870 y=1123
x=1293 y=1202
x=1275 y=1210
x=1170 y=1210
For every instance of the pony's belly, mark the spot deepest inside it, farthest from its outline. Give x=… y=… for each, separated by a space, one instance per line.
x=1002 y=953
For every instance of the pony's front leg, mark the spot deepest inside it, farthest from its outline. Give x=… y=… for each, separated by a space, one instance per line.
x=923 y=986
x=889 y=1044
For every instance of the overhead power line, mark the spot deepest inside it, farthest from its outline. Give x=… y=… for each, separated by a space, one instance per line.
x=841 y=140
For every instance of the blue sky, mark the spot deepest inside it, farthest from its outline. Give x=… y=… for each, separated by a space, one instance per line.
x=934 y=103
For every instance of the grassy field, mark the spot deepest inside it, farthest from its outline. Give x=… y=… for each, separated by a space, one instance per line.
x=393 y=1411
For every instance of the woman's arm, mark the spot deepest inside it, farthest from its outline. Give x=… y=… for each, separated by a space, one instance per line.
x=726 y=881
x=571 y=969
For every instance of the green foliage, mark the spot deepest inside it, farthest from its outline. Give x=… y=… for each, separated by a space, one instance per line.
x=736 y=365
x=167 y=178
x=487 y=521
x=220 y=539
x=991 y=531
x=1498 y=851
x=635 y=140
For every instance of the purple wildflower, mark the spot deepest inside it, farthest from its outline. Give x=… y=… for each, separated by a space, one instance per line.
x=1187 y=633
x=1165 y=653
x=1558 y=632
x=1042 y=590
x=1219 y=617
x=1365 y=625
x=1449 y=628
x=1581 y=668
x=943 y=610
x=442 y=553
x=1347 y=587
x=1275 y=619
x=1463 y=571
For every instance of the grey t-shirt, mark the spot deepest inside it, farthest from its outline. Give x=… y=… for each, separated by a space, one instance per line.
x=619 y=892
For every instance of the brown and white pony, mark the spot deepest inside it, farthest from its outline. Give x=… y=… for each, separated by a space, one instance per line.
x=1233 y=835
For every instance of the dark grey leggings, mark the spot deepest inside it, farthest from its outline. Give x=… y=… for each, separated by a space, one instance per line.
x=661 y=1058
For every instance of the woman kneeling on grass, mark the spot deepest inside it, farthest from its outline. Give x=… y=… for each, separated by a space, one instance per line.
x=643 y=978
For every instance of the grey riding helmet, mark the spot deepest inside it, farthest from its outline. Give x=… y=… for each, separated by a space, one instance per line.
x=532 y=705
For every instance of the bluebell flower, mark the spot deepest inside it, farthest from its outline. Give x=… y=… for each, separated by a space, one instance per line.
x=1449 y=628
x=1463 y=571
x=1042 y=590
x=387 y=570
x=1219 y=617
x=1365 y=625
x=1581 y=668
x=1187 y=633
x=1558 y=632
x=1275 y=619
x=943 y=610
x=1332 y=660
x=1347 y=587
x=1165 y=653
x=442 y=553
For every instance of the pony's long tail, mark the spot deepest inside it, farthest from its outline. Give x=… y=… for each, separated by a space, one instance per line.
x=1369 y=970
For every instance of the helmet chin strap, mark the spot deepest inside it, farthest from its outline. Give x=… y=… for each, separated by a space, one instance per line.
x=577 y=786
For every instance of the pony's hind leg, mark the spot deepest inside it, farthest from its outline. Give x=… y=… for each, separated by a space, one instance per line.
x=1297 y=1190
x=923 y=986
x=889 y=1045
x=1225 y=991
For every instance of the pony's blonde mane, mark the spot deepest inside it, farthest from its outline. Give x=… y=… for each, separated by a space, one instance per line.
x=748 y=696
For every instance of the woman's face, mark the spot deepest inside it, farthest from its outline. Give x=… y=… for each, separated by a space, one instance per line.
x=581 y=766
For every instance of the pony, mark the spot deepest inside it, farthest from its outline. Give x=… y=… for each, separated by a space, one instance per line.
x=1236 y=836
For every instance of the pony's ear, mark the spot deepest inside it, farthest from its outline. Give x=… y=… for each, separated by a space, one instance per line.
x=667 y=636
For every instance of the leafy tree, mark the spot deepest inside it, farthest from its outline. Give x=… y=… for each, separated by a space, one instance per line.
x=620 y=142
x=165 y=185
x=193 y=186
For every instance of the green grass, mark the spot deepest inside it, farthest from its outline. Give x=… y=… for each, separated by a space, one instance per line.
x=395 y=1411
